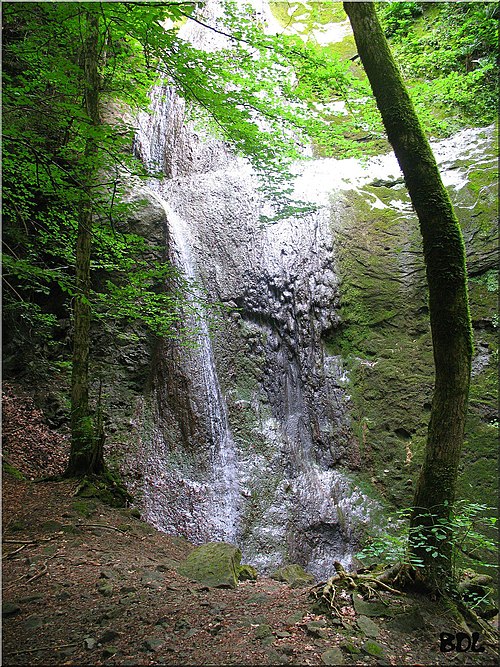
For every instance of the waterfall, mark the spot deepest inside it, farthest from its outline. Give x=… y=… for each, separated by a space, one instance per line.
x=250 y=437
x=223 y=487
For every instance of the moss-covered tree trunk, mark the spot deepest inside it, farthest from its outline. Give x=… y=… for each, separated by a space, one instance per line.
x=444 y=255
x=86 y=452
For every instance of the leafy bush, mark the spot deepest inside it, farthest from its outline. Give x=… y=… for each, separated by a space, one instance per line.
x=469 y=528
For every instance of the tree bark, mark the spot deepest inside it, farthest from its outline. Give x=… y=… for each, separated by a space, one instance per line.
x=83 y=459
x=444 y=255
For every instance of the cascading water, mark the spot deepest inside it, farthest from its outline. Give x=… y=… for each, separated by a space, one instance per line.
x=223 y=488
x=250 y=440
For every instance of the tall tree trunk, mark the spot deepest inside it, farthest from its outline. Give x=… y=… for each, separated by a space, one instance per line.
x=444 y=255
x=84 y=440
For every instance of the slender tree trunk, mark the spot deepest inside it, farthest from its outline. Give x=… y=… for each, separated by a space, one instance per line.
x=444 y=255
x=83 y=459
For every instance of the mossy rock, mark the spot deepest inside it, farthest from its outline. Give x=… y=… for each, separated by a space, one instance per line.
x=294 y=575
x=215 y=564
x=247 y=573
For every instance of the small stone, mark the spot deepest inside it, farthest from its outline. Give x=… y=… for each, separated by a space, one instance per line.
x=349 y=647
x=128 y=589
x=153 y=643
x=32 y=598
x=295 y=618
x=247 y=573
x=109 y=651
x=89 y=643
x=215 y=628
x=106 y=573
x=108 y=636
x=150 y=575
x=373 y=648
x=276 y=658
x=258 y=598
x=33 y=622
x=262 y=631
x=64 y=595
x=407 y=622
x=105 y=589
x=267 y=641
x=10 y=608
x=52 y=526
x=333 y=656
x=317 y=629
x=294 y=575
x=182 y=624
x=367 y=626
x=370 y=608
x=282 y=634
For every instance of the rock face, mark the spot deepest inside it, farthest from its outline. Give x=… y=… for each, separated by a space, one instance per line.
x=319 y=360
x=314 y=378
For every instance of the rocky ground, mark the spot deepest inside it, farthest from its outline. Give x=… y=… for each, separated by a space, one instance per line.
x=87 y=584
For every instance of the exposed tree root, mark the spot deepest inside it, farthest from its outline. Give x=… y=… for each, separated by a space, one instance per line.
x=325 y=593
x=489 y=633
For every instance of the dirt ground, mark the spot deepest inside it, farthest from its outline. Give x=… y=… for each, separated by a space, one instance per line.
x=87 y=584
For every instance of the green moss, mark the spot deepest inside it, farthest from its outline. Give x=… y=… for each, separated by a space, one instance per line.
x=384 y=340
x=84 y=507
x=13 y=472
x=107 y=488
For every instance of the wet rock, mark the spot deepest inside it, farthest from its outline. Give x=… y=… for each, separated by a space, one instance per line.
x=215 y=564
x=294 y=575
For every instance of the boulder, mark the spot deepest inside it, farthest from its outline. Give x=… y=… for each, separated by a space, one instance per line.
x=215 y=564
